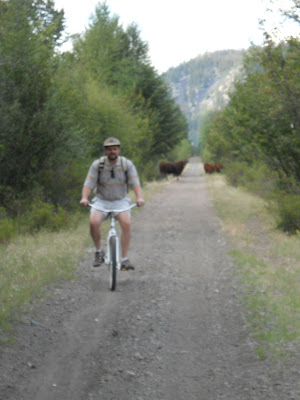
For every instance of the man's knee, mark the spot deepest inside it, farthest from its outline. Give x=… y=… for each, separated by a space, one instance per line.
x=96 y=219
x=125 y=222
x=126 y=226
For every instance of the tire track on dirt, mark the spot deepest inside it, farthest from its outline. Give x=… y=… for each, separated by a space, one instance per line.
x=173 y=329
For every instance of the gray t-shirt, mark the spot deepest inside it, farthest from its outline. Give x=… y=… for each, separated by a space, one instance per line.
x=111 y=188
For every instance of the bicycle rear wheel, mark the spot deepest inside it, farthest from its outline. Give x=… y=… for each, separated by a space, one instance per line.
x=113 y=263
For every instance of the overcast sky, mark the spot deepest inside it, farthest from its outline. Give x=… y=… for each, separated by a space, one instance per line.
x=178 y=31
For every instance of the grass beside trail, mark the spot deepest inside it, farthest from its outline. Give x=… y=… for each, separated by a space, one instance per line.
x=31 y=262
x=268 y=264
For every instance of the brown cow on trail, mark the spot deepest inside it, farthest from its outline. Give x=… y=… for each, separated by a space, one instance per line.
x=174 y=168
x=218 y=167
x=208 y=168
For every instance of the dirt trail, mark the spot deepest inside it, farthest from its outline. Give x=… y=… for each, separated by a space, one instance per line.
x=173 y=330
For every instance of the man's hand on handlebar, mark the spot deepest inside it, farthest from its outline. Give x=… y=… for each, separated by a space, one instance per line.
x=140 y=202
x=84 y=202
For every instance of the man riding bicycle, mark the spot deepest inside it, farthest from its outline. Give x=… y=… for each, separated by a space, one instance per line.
x=109 y=177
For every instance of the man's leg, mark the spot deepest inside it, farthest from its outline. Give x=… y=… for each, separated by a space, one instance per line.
x=96 y=219
x=124 y=220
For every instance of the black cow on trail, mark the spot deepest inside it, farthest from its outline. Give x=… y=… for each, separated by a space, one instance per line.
x=174 y=168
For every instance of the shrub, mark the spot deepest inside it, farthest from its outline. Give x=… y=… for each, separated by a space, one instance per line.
x=60 y=220
x=7 y=230
x=181 y=151
x=43 y=216
x=289 y=213
x=62 y=186
x=257 y=178
x=261 y=180
x=236 y=173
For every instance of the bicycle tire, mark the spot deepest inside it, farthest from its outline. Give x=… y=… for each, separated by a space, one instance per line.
x=113 y=263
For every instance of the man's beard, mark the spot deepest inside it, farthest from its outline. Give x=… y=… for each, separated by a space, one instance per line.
x=112 y=157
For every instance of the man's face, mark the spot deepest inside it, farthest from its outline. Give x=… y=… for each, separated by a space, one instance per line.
x=112 y=152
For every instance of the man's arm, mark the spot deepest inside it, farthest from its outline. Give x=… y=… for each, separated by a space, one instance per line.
x=138 y=194
x=86 y=191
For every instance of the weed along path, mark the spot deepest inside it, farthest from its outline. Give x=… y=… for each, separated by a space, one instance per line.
x=173 y=329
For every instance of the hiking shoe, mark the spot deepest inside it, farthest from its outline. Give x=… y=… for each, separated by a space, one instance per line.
x=126 y=266
x=99 y=258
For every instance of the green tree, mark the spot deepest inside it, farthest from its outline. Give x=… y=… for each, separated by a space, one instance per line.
x=261 y=121
x=167 y=121
x=29 y=125
x=117 y=60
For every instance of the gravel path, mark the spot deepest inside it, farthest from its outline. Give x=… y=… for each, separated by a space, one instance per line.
x=173 y=330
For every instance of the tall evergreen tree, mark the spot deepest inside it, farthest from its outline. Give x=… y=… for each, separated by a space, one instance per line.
x=30 y=30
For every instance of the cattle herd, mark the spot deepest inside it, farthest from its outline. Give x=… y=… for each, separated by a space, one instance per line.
x=176 y=168
x=209 y=168
x=173 y=168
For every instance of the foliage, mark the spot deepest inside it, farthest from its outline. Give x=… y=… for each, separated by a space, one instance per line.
x=257 y=136
x=261 y=121
x=181 y=152
x=117 y=62
x=7 y=230
x=257 y=178
x=28 y=121
x=260 y=126
x=207 y=120
x=62 y=185
x=289 y=213
x=56 y=109
x=39 y=216
x=43 y=216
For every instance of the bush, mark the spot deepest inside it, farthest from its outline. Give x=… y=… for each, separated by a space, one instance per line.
x=40 y=216
x=289 y=213
x=257 y=178
x=181 y=151
x=7 y=230
x=62 y=186
x=43 y=216
x=261 y=180
x=236 y=173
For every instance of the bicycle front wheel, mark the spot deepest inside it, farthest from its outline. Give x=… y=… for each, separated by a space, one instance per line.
x=113 y=263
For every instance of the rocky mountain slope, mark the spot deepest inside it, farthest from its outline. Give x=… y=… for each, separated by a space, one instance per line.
x=203 y=84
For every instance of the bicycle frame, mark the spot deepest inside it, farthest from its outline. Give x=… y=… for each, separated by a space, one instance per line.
x=112 y=232
x=112 y=257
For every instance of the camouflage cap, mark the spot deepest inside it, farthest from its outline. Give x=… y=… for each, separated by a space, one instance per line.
x=112 y=141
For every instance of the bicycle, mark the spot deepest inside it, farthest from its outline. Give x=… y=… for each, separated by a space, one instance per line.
x=112 y=257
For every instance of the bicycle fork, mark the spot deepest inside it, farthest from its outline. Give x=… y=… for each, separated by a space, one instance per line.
x=112 y=233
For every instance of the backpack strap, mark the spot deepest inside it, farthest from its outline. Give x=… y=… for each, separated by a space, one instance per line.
x=100 y=168
x=125 y=168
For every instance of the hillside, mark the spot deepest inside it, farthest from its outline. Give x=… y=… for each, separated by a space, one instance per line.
x=203 y=84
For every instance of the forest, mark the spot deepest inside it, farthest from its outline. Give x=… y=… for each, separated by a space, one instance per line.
x=257 y=135
x=57 y=108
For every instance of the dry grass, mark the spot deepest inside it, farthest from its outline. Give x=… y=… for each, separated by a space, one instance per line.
x=29 y=263
x=268 y=263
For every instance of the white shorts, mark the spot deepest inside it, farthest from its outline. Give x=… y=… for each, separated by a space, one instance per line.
x=98 y=204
